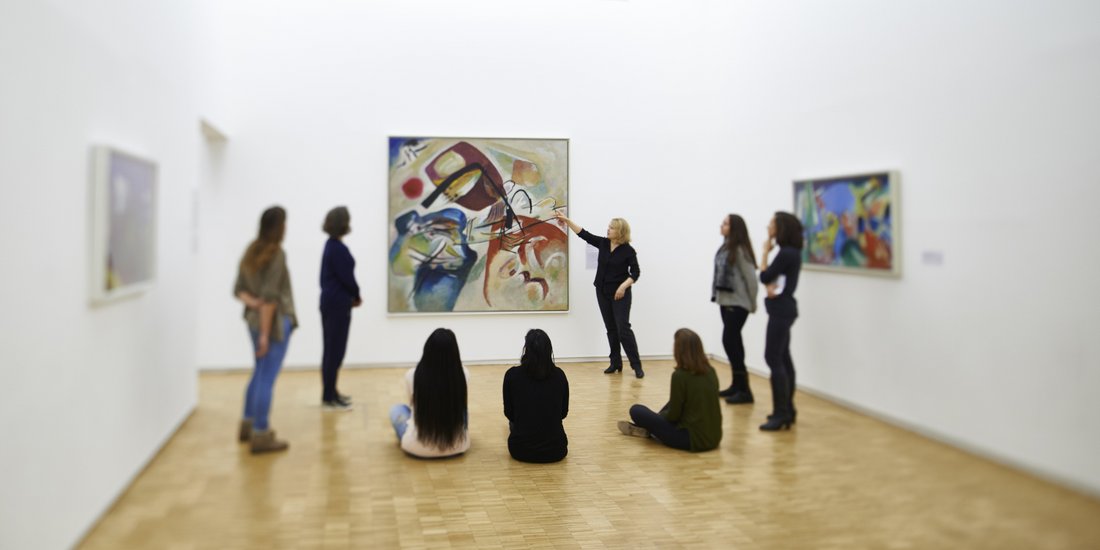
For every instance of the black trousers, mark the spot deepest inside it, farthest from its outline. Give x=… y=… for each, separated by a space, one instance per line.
x=666 y=432
x=334 y=325
x=616 y=319
x=777 y=353
x=733 y=320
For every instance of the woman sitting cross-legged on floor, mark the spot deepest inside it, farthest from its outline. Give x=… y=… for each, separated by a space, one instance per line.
x=536 y=399
x=692 y=419
x=435 y=423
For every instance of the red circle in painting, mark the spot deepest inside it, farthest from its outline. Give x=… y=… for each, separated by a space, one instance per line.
x=413 y=188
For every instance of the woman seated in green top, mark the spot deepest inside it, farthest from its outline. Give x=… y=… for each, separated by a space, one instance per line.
x=692 y=419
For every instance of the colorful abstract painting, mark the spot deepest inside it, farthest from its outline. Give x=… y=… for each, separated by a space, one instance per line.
x=124 y=224
x=851 y=223
x=471 y=225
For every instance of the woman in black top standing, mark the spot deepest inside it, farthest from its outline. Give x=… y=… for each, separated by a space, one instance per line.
x=781 y=279
x=339 y=293
x=616 y=271
x=536 y=399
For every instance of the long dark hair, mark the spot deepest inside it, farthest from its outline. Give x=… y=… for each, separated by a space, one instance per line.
x=738 y=239
x=263 y=249
x=788 y=230
x=439 y=391
x=538 y=354
x=687 y=350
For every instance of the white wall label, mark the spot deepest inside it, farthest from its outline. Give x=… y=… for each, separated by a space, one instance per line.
x=931 y=257
x=591 y=257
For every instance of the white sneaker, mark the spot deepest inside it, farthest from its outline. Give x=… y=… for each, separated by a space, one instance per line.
x=628 y=428
x=336 y=405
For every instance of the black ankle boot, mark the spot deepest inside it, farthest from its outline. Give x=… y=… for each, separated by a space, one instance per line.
x=794 y=416
x=740 y=398
x=613 y=369
x=728 y=391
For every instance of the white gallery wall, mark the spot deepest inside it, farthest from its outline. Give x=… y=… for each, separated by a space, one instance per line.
x=679 y=112
x=314 y=90
x=89 y=393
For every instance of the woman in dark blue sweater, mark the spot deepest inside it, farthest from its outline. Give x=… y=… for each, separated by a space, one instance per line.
x=616 y=271
x=339 y=293
x=780 y=278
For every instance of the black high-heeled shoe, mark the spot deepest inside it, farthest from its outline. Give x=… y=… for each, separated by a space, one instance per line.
x=613 y=369
x=794 y=417
x=774 y=424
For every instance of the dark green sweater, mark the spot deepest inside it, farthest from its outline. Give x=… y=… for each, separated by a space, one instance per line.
x=693 y=405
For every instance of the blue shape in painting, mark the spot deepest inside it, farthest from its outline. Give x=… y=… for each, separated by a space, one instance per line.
x=434 y=249
x=404 y=150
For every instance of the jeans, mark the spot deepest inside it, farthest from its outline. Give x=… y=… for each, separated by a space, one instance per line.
x=399 y=417
x=257 y=398
x=666 y=432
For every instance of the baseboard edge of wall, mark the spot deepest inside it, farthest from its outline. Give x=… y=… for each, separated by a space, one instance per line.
x=404 y=365
x=931 y=434
x=137 y=474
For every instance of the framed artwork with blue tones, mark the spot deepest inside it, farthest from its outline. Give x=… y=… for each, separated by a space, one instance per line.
x=851 y=223
x=471 y=225
x=124 y=224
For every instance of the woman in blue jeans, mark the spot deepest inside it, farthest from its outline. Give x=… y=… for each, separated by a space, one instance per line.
x=263 y=285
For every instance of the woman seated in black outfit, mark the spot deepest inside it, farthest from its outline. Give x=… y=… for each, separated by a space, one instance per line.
x=536 y=399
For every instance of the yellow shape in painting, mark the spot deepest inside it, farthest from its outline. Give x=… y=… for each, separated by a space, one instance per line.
x=449 y=163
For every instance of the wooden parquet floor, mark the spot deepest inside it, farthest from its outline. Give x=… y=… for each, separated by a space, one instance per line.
x=837 y=480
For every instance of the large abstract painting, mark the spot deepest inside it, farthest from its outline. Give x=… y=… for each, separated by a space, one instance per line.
x=124 y=224
x=851 y=223
x=471 y=225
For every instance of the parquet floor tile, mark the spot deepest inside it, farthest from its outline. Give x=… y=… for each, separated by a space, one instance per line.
x=837 y=480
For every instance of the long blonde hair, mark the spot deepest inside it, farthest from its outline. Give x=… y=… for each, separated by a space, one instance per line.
x=263 y=249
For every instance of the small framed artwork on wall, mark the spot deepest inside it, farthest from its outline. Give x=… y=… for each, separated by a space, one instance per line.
x=124 y=224
x=851 y=223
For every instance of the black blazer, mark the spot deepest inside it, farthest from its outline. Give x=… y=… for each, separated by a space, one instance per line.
x=613 y=267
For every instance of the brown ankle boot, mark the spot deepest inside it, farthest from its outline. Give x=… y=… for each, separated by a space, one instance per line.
x=265 y=442
x=245 y=434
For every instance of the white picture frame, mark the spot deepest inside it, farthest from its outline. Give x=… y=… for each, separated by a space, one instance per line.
x=124 y=191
